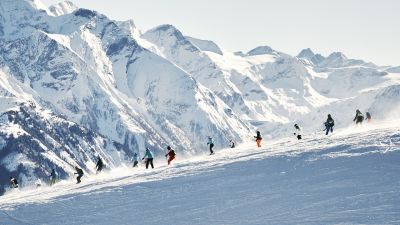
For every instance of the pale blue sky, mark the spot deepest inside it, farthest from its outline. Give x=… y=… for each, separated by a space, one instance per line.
x=365 y=29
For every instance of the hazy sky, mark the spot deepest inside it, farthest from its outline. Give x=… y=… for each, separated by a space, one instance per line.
x=365 y=29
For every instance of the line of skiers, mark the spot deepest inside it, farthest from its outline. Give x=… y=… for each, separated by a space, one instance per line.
x=329 y=124
x=170 y=155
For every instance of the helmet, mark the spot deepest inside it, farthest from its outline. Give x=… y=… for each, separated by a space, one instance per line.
x=169 y=147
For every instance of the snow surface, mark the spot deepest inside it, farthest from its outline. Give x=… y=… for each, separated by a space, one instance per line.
x=350 y=177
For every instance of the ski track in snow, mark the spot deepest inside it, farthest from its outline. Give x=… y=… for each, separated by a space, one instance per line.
x=350 y=177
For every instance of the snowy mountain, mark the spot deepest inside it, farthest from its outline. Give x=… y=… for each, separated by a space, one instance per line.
x=269 y=88
x=75 y=84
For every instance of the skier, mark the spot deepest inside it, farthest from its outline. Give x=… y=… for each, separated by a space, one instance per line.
x=210 y=142
x=329 y=124
x=99 y=165
x=359 y=117
x=149 y=158
x=171 y=154
x=13 y=182
x=79 y=171
x=53 y=177
x=231 y=144
x=297 y=131
x=38 y=183
x=258 y=138
x=368 y=117
x=135 y=159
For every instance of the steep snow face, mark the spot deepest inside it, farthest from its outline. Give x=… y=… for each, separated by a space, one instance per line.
x=63 y=8
x=205 y=45
x=178 y=49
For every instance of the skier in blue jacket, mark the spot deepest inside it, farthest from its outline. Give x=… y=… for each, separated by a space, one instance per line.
x=135 y=159
x=149 y=158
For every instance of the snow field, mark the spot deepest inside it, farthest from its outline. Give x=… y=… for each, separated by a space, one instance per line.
x=346 y=178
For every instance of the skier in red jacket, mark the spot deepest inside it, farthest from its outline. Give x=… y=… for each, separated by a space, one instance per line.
x=171 y=154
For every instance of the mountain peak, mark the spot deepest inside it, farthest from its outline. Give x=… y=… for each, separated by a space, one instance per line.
x=165 y=27
x=261 y=50
x=62 y=8
x=170 y=31
x=306 y=54
x=337 y=55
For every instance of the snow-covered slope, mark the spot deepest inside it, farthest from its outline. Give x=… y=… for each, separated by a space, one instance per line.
x=350 y=177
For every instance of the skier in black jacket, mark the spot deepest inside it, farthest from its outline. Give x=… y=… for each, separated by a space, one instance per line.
x=359 y=118
x=99 y=165
x=53 y=177
x=329 y=124
x=13 y=182
x=231 y=144
x=79 y=171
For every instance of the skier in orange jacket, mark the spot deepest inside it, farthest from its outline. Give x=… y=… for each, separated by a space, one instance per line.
x=258 y=139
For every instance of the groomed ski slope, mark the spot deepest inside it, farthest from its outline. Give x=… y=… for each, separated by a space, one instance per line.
x=350 y=177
